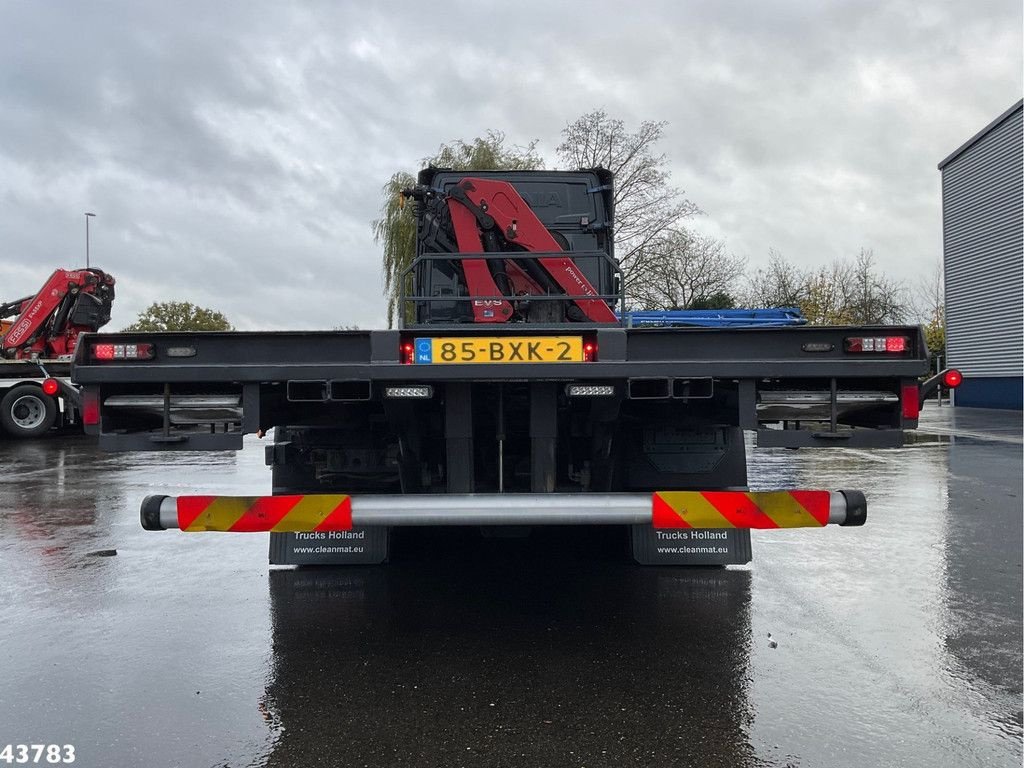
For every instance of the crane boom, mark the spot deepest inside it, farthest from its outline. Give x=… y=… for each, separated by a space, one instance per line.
x=48 y=324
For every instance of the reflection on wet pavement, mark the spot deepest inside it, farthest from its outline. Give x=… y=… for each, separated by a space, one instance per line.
x=537 y=660
x=895 y=644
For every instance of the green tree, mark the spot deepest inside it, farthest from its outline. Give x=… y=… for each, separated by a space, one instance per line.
x=935 y=335
x=825 y=295
x=717 y=300
x=179 y=316
x=395 y=230
x=930 y=308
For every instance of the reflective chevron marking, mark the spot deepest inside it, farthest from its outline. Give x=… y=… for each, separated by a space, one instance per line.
x=238 y=514
x=739 y=509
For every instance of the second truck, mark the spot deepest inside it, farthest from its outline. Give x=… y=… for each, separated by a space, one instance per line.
x=38 y=335
x=514 y=393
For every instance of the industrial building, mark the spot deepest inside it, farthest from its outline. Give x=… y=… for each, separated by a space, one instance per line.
x=983 y=254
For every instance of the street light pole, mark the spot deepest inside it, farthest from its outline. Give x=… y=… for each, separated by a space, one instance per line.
x=87 y=217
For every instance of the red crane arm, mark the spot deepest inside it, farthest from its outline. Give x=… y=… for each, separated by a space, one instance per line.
x=479 y=280
x=482 y=208
x=29 y=334
x=38 y=309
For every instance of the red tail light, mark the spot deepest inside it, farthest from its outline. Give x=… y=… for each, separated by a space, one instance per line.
x=911 y=401
x=122 y=352
x=887 y=344
x=405 y=353
x=952 y=378
x=51 y=387
x=589 y=352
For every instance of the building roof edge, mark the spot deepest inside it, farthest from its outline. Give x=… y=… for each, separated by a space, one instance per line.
x=980 y=134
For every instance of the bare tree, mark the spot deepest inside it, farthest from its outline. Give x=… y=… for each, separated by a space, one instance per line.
x=687 y=270
x=780 y=284
x=930 y=308
x=826 y=294
x=844 y=292
x=875 y=299
x=646 y=206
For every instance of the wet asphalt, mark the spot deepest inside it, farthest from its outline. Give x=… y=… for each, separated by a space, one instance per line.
x=896 y=644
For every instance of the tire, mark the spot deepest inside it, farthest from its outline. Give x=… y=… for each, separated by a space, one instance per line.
x=26 y=411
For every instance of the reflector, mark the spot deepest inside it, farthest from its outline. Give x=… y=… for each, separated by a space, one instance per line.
x=90 y=407
x=911 y=401
x=51 y=387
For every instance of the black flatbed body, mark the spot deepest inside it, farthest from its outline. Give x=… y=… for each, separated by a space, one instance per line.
x=280 y=356
x=734 y=365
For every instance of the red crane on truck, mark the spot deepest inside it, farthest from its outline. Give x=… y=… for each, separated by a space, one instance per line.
x=38 y=335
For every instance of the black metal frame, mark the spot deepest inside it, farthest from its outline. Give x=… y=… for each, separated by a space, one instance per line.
x=759 y=353
x=253 y=364
x=405 y=301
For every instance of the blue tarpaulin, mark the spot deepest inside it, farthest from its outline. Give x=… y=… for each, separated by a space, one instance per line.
x=716 y=318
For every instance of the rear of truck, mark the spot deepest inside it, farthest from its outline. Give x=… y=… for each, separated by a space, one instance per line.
x=545 y=415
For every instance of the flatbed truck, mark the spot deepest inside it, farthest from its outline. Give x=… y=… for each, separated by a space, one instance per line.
x=516 y=392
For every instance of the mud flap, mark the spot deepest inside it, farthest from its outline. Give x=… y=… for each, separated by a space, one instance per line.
x=675 y=546
x=667 y=457
x=295 y=471
x=359 y=546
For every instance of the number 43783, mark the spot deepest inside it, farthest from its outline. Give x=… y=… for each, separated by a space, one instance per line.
x=21 y=754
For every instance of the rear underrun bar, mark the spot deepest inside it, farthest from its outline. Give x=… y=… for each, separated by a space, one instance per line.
x=662 y=509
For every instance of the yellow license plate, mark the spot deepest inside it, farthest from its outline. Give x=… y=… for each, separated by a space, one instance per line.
x=491 y=349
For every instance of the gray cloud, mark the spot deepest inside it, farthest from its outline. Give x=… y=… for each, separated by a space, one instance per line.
x=234 y=153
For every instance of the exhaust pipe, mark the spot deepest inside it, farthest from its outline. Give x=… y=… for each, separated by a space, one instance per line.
x=662 y=509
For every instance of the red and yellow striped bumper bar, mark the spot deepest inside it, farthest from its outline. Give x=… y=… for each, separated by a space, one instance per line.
x=662 y=509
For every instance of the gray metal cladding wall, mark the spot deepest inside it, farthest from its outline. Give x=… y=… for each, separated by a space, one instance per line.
x=982 y=207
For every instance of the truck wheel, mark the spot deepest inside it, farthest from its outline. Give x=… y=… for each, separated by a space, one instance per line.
x=26 y=411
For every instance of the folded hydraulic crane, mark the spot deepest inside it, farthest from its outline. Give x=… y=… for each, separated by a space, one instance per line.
x=48 y=324
x=490 y=216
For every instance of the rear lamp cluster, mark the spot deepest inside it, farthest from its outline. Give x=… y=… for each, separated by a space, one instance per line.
x=884 y=344
x=122 y=352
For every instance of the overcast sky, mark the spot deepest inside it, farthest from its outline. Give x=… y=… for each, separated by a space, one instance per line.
x=234 y=152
